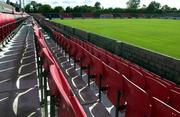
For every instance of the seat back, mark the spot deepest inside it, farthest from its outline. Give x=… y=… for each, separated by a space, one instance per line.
x=65 y=106
x=177 y=89
x=114 y=81
x=174 y=99
x=47 y=60
x=156 y=89
x=79 y=52
x=86 y=60
x=112 y=62
x=161 y=109
x=138 y=104
x=96 y=53
x=167 y=84
x=96 y=69
x=123 y=68
x=73 y=51
x=137 y=78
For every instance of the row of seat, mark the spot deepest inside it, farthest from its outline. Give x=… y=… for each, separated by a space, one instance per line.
x=124 y=83
x=68 y=105
x=7 y=25
x=126 y=66
x=164 y=82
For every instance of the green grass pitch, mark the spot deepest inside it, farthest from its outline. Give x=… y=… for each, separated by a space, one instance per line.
x=158 y=35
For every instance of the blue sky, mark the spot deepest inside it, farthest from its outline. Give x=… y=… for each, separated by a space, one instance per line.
x=105 y=3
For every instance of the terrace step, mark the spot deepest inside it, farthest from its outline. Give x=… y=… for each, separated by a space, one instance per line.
x=18 y=79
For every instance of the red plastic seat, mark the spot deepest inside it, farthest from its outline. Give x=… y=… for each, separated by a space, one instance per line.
x=86 y=61
x=79 y=112
x=167 y=84
x=103 y=57
x=161 y=109
x=156 y=89
x=177 y=89
x=113 y=80
x=138 y=104
x=123 y=68
x=96 y=69
x=137 y=78
x=41 y=45
x=170 y=82
x=72 y=46
x=47 y=59
x=112 y=62
x=64 y=104
x=174 y=99
x=147 y=73
x=79 y=54
x=96 y=53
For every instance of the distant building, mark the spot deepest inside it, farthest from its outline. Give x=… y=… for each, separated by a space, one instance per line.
x=106 y=16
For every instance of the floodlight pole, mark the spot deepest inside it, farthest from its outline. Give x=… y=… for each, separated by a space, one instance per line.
x=23 y=4
x=20 y=4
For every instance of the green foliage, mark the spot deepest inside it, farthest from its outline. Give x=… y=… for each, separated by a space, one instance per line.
x=158 y=35
x=133 y=7
x=58 y=9
x=33 y=7
x=165 y=8
x=97 y=5
x=153 y=7
x=45 y=8
x=133 y=4
x=69 y=9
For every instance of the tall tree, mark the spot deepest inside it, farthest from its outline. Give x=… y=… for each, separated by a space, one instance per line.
x=58 y=9
x=165 y=8
x=46 y=8
x=33 y=6
x=133 y=4
x=97 y=5
x=173 y=9
x=144 y=6
x=7 y=2
x=153 y=7
x=69 y=9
